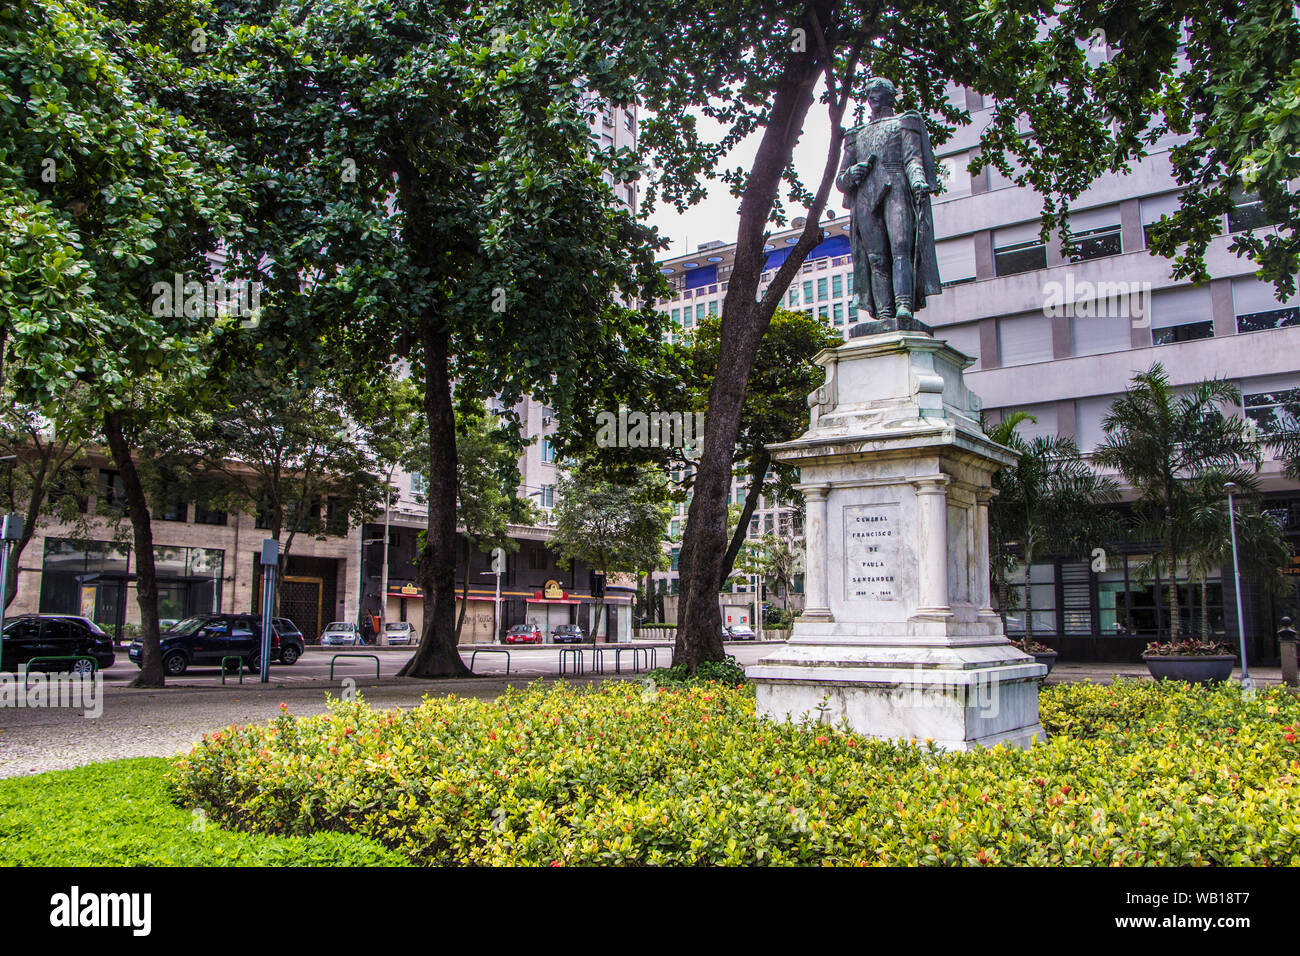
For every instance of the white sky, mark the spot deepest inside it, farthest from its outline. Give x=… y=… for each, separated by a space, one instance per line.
x=716 y=216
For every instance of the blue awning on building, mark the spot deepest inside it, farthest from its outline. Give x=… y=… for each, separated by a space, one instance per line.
x=707 y=275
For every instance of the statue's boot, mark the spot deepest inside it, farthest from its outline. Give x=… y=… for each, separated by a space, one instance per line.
x=882 y=288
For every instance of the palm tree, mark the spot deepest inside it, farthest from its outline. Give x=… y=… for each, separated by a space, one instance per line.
x=1049 y=502
x=1174 y=448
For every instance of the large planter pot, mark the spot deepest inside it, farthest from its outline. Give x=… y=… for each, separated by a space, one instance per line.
x=1193 y=668
x=1047 y=658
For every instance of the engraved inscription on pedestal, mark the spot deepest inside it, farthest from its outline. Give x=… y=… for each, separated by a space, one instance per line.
x=871 y=552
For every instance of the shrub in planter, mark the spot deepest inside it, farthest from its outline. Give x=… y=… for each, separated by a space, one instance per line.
x=1040 y=652
x=1193 y=659
x=1133 y=773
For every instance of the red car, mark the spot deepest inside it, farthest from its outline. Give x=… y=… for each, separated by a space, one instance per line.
x=524 y=634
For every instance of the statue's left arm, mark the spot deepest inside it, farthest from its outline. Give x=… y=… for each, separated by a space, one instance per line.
x=916 y=149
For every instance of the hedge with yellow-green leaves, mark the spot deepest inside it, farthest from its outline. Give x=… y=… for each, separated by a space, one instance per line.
x=1132 y=774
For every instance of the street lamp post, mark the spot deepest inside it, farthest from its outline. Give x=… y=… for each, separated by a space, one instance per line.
x=1246 y=682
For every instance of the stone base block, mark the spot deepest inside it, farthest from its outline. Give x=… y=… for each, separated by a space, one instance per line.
x=957 y=705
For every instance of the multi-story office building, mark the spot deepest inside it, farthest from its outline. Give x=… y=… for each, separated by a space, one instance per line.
x=206 y=560
x=1004 y=305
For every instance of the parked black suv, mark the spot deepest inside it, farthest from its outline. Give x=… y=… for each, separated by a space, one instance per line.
x=292 y=642
x=30 y=636
x=207 y=638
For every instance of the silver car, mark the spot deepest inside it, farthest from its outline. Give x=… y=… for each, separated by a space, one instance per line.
x=340 y=632
x=399 y=632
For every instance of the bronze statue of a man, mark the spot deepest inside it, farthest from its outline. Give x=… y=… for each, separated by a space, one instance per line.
x=887 y=178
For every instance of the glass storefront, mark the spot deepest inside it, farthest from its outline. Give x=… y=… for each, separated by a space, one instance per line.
x=92 y=578
x=1112 y=612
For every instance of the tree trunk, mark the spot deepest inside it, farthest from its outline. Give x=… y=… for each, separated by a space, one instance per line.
x=438 y=655
x=1175 y=620
x=39 y=492
x=756 y=475
x=595 y=624
x=146 y=578
x=15 y=557
x=744 y=320
x=464 y=595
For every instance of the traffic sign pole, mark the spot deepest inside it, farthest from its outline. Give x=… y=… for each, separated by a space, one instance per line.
x=270 y=559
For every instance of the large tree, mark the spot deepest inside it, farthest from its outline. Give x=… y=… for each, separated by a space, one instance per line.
x=429 y=190
x=105 y=189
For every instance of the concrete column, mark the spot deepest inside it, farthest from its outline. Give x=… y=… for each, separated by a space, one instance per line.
x=1223 y=312
x=984 y=265
x=989 y=354
x=815 y=583
x=932 y=505
x=982 y=596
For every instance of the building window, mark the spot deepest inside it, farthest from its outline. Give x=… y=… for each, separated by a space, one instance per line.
x=807 y=292
x=676 y=553
x=174 y=511
x=677 y=316
x=1247 y=214
x=1019 y=257
x=1182 y=333
x=1273 y=319
x=336 y=517
x=112 y=494
x=838 y=312
x=837 y=286
x=1097 y=243
x=821 y=289
x=548 y=452
x=548 y=496
x=419 y=483
x=1273 y=412
x=699 y=311
x=793 y=299
x=674 y=528
x=205 y=513
x=536 y=559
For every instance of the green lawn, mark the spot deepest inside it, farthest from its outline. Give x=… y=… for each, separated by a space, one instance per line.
x=121 y=814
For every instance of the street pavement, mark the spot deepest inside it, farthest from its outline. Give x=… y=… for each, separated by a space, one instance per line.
x=139 y=722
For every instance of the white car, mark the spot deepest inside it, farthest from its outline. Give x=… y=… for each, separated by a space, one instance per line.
x=340 y=632
x=399 y=632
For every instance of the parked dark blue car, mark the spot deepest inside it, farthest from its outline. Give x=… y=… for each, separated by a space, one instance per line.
x=207 y=638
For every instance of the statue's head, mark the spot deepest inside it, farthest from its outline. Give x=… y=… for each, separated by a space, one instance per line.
x=880 y=94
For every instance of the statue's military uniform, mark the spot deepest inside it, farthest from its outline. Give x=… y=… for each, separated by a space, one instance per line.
x=891 y=224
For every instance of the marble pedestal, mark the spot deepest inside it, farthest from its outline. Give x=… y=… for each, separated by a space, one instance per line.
x=898 y=636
